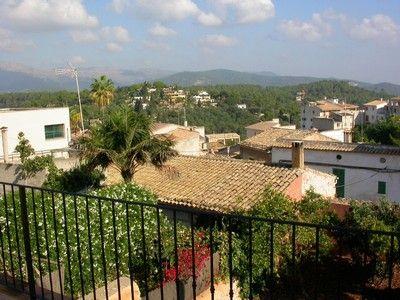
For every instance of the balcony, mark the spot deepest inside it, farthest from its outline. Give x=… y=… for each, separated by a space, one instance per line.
x=55 y=245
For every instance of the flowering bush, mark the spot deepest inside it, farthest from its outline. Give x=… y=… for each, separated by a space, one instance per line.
x=185 y=263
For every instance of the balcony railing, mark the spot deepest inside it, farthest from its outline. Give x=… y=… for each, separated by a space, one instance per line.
x=55 y=245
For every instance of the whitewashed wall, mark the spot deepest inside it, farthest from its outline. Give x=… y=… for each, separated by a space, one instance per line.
x=32 y=122
x=360 y=183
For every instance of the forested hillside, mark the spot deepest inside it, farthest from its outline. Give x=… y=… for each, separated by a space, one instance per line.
x=262 y=103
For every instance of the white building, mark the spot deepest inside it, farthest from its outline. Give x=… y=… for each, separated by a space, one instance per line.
x=241 y=106
x=394 y=106
x=364 y=172
x=202 y=98
x=189 y=140
x=47 y=129
x=346 y=114
x=375 y=111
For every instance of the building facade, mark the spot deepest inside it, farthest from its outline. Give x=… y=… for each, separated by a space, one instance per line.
x=375 y=111
x=47 y=129
x=364 y=172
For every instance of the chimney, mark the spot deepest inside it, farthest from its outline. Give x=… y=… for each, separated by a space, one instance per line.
x=4 y=138
x=185 y=123
x=298 y=155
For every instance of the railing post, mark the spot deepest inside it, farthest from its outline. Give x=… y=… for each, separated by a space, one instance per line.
x=27 y=242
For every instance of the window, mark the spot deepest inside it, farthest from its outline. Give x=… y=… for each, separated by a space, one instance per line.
x=382 y=187
x=54 y=131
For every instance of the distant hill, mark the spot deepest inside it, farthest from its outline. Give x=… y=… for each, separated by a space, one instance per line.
x=19 y=78
x=222 y=76
x=390 y=88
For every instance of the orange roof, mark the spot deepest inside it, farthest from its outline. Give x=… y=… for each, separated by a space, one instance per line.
x=268 y=138
x=262 y=125
x=330 y=106
x=214 y=183
x=375 y=103
x=277 y=138
x=181 y=134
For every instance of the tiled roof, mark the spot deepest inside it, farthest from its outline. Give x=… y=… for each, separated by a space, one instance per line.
x=277 y=138
x=273 y=136
x=220 y=136
x=218 y=184
x=181 y=134
x=329 y=106
x=375 y=103
x=263 y=125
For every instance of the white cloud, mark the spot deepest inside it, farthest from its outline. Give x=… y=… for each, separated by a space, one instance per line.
x=114 y=47
x=9 y=43
x=217 y=40
x=209 y=19
x=160 y=30
x=84 y=36
x=310 y=31
x=168 y=9
x=77 y=60
x=249 y=11
x=157 y=46
x=377 y=27
x=120 y=5
x=117 y=34
x=48 y=15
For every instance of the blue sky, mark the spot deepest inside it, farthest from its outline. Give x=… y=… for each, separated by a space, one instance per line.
x=339 y=38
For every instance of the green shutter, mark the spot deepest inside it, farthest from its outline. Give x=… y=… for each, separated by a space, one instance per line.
x=382 y=187
x=340 y=188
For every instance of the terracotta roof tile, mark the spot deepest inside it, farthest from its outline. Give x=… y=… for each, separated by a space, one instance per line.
x=272 y=136
x=213 y=183
x=281 y=138
x=263 y=125
x=375 y=102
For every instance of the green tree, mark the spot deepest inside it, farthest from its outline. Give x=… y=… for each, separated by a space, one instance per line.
x=102 y=91
x=386 y=132
x=124 y=139
x=30 y=164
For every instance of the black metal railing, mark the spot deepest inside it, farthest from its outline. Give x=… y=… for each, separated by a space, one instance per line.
x=55 y=245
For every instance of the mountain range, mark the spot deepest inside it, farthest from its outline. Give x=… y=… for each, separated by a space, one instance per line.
x=19 y=78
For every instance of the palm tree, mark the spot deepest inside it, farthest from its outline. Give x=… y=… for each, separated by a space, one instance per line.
x=124 y=139
x=102 y=91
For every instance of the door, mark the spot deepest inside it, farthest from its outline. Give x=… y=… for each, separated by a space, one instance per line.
x=340 y=174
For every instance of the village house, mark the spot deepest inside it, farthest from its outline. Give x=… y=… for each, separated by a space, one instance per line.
x=47 y=129
x=347 y=115
x=260 y=127
x=220 y=184
x=189 y=140
x=364 y=172
x=394 y=106
x=203 y=97
x=216 y=141
x=174 y=96
x=375 y=111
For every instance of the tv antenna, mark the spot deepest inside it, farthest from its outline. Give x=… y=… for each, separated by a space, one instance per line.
x=73 y=72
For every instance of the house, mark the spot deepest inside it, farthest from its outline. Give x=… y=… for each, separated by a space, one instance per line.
x=217 y=141
x=375 y=111
x=365 y=172
x=188 y=140
x=47 y=129
x=394 y=106
x=241 y=106
x=342 y=115
x=220 y=184
x=174 y=96
x=260 y=127
x=203 y=97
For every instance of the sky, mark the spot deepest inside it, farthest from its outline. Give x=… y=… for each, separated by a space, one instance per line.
x=349 y=39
